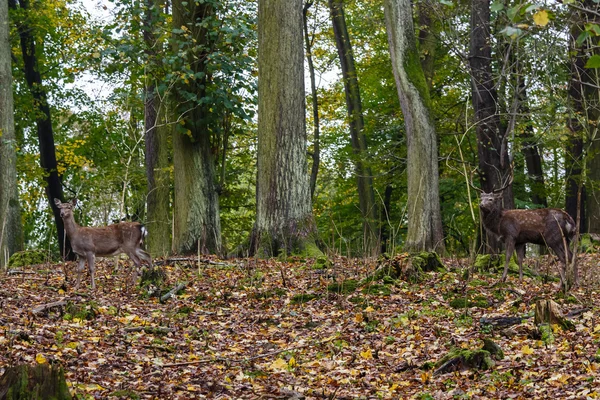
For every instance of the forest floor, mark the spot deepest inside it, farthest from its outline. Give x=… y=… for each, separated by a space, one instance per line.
x=250 y=329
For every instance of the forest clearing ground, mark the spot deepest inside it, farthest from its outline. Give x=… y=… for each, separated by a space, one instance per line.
x=250 y=328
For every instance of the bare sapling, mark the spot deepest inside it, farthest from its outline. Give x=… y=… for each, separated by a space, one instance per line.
x=89 y=243
x=551 y=227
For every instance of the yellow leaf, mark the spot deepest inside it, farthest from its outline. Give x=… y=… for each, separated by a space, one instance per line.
x=40 y=359
x=526 y=350
x=279 y=364
x=541 y=18
x=367 y=355
x=359 y=318
x=292 y=363
x=369 y=309
x=425 y=376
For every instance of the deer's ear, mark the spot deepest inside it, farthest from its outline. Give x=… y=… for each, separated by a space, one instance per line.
x=57 y=202
x=74 y=202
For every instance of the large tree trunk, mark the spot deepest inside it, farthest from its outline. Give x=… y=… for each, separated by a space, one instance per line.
x=44 y=125
x=284 y=220
x=492 y=144
x=316 y=153
x=424 y=217
x=10 y=216
x=585 y=94
x=583 y=102
x=364 y=176
x=197 y=224
x=156 y=141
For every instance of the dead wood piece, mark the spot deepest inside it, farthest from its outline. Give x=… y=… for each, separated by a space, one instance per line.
x=578 y=312
x=20 y=272
x=548 y=312
x=461 y=359
x=501 y=322
x=160 y=330
x=172 y=292
x=42 y=308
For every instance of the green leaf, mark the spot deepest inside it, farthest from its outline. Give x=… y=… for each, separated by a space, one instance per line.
x=594 y=28
x=497 y=6
x=582 y=37
x=593 y=62
x=511 y=32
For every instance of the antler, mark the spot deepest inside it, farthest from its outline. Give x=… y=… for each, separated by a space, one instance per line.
x=508 y=182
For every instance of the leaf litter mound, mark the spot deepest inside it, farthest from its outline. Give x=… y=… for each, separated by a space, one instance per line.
x=249 y=329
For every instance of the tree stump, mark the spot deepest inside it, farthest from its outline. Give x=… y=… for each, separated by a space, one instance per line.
x=41 y=381
x=548 y=312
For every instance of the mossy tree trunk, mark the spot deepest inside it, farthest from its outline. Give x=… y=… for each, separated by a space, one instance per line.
x=156 y=140
x=10 y=216
x=41 y=381
x=364 y=176
x=492 y=144
x=284 y=219
x=197 y=224
x=424 y=216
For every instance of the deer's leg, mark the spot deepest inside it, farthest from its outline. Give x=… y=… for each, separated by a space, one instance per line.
x=520 y=248
x=80 y=267
x=136 y=266
x=510 y=248
x=92 y=268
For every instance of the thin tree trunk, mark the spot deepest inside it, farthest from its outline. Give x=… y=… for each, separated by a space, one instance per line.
x=197 y=224
x=424 y=215
x=366 y=194
x=316 y=155
x=44 y=125
x=156 y=141
x=428 y=31
x=10 y=221
x=284 y=219
x=494 y=165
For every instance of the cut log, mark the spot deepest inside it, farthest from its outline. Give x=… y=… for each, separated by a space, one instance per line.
x=41 y=381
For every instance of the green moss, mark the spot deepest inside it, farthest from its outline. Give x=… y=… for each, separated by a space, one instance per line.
x=357 y=300
x=468 y=302
x=28 y=257
x=125 y=394
x=414 y=72
x=322 y=262
x=82 y=311
x=546 y=334
x=378 y=290
x=427 y=262
x=267 y=294
x=345 y=287
x=303 y=298
x=478 y=283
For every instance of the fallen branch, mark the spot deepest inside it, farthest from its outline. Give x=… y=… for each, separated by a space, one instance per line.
x=20 y=272
x=503 y=322
x=161 y=330
x=45 y=307
x=243 y=360
x=172 y=292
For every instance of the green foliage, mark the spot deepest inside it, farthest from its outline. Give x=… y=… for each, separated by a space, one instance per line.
x=29 y=257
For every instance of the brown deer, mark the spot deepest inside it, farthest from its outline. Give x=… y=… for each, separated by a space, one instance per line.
x=87 y=243
x=551 y=227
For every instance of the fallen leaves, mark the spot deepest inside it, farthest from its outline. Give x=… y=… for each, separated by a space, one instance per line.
x=233 y=335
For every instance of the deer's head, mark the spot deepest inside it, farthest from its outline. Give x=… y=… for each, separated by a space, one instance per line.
x=66 y=209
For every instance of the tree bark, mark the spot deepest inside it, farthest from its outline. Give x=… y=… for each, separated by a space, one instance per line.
x=424 y=216
x=428 y=30
x=10 y=229
x=316 y=153
x=156 y=141
x=585 y=97
x=40 y=381
x=284 y=219
x=492 y=144
x=197 y=224
x=364 y=176
x=44 y=125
